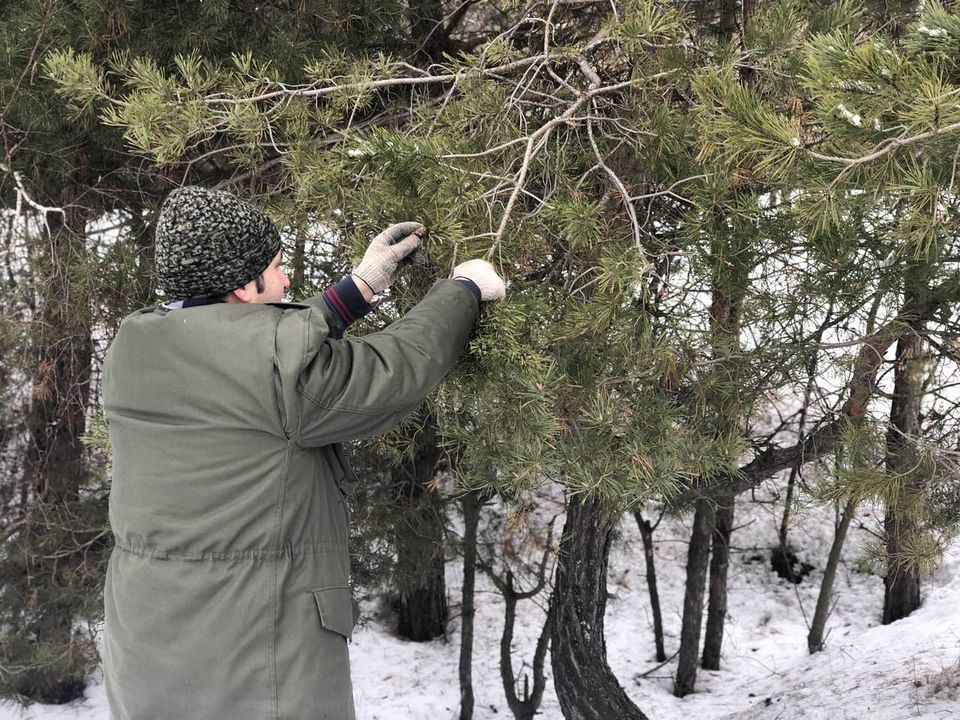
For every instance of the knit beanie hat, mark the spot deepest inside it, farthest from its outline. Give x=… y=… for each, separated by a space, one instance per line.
x=210 y=242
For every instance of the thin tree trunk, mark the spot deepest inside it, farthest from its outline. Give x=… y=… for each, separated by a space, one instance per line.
x=298 y=262
x=697 y=561
x=471 y=518
x=801 y=430
x=815 y=637
x=787 y=507
x=646 y=533
x=902 y=583
x=585 y=685
x=731 y=264
x=523 y=707
x=719 y=562
x=420 y=546
x=729 y=15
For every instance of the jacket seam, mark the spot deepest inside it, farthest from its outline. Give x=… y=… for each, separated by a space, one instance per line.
x=290 y=551
x=274 y=605
x=302 y=365
x=277 y=382
x=358 y=411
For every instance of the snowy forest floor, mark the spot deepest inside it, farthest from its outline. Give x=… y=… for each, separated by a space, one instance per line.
x=910 y=669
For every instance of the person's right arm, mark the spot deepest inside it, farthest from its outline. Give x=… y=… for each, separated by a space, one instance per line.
x=361 y=386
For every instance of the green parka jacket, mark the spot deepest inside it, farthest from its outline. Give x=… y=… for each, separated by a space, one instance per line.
x=227 y=595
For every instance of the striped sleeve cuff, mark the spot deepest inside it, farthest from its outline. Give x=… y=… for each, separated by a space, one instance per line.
x=346 y=301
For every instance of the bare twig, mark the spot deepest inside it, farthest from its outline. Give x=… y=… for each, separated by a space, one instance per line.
x=887 y=147
x=24 y=197
x=309 y=91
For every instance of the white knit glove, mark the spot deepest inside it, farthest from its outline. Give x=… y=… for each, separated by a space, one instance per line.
x=379 y=264
x=485 y=276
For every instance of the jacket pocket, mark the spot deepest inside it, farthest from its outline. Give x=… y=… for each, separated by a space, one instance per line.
x=336 y=609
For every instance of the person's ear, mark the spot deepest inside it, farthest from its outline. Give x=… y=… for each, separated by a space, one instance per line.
x=242 y=295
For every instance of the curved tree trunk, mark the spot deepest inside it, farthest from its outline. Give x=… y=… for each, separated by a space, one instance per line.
x=646 y=532
x=525 y=705
x=815 y=637
x=585 y=685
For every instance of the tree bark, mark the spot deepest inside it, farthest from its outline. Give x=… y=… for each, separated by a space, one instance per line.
x=646 y=533
x=525 y=707
x=585 y=685
x=730 y=276
x=719 y=562
x=471 y=518
x=54 y=468
x=729 y=12
x=697 y=557
x=815 y=637
x=298 y=262
x=427 y=26
x=423 y=608
x=902 y=583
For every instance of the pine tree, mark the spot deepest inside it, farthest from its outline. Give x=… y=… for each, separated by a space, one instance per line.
x=655 y=185
x=63 y=180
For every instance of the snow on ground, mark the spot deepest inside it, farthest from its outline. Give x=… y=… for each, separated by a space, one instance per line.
x=910 y=669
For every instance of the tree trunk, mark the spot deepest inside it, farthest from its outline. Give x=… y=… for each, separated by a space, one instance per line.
x=54 y=468
x=426 y=26
x=420 y=545
x=646 y=533
x=902 y=583
x=731 y=261
x=585 y=685
x=525 y=706
x=471 y=518
x=729 y=12
x=801 y=431
x=61 y=382
x=697 y=557
x=815 y=637
x=719 y=562
x=298 y=262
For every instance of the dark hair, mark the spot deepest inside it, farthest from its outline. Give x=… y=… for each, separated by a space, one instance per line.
x=261 y=286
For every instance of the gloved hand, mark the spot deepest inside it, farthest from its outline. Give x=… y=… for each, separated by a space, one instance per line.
x=485 y=276
x=379 y=264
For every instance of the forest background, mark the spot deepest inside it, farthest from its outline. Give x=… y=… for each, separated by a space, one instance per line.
x=709 y=213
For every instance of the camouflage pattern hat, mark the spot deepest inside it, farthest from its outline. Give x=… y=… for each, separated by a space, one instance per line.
x=210 y=242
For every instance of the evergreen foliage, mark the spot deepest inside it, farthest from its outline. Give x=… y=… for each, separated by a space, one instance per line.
x=631 y=170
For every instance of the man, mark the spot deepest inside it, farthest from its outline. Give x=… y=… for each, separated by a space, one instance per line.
x=227 y=596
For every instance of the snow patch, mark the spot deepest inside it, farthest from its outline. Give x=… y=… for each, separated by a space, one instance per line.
x=850 y=117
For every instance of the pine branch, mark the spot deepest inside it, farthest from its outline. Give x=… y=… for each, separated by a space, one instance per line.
x=887 y=147
x=539 y=138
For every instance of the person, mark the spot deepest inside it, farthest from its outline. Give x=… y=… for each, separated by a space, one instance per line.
x=227 y=595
